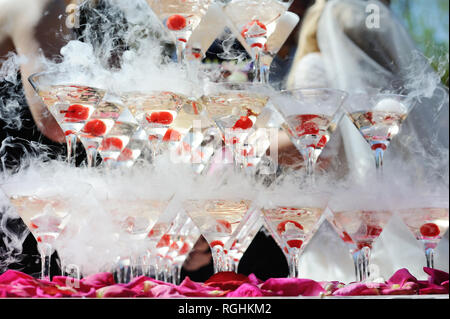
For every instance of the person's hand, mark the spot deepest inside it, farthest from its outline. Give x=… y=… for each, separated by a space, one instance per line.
x=29 y=31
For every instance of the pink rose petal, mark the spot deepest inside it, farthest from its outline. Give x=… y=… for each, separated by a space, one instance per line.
x=293 y=287
x=246 y=290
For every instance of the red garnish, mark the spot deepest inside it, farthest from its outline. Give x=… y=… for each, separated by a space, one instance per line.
x=39 y=239
x=244 y=123
x=164 y=241
x=69 y=132
x=307 y=128
x=172 y=136
x=164 y=118
x=223 y=225
x=217 y=243
x=323 y=141
x=76 y=113
x=176 y=22
x=369 y=117
x=379 y=145
x=112 y=144
x=346 y=237
x=184 y=249
x=256 y=45
x=295 y=243
x=194 y=106
x=126 y=155
x=374 y=230
x=152 y=137
x=282 y=226
x=174 y=246
x=430 y=230
x=33 y=225
x=245 y=29
x=95 y=127
x=363 y=244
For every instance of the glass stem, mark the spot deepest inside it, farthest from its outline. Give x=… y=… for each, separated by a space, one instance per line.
x=379 y=152
x=181 y=50
x=294 y=263
x=219 y=259
x=355 y=255
x=46 y=255
x=309 y=156
x=91 y=156
x=364 y=261
x=265 y=74
x=71 y=142
x=257 y=70
x=429 y=254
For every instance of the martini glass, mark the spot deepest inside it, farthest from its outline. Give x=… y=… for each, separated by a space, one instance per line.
x=285 y=25
x=45 y=208
x=293 y=221
x=117 y=139
x=137 y=216
x=134 y=149
x=199 y=145
x=180 y=17
x=378 y=117
x=311 y=116
x=99 y=125
x=70 y=105
x=350 y=243
x=218 y=221
x=176 y=244
x=363 y=216
x=235 y=107
x=244 y=238
x=256 y=20
x=427 y=218
x=156 y=113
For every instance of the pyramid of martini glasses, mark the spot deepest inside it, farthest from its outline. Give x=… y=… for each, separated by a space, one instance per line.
x=124 y=129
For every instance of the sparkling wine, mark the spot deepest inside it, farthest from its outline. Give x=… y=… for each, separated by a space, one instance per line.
x=294 y=226
x=309 y=131
x=180 y=15
x=45 y=218
x=378 y=127
x=217 y=219
x=427 y=224
x=266 y=12
x=364 y=227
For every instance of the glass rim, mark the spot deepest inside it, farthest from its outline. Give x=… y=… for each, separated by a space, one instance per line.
x=48 y=72
x=323 y=89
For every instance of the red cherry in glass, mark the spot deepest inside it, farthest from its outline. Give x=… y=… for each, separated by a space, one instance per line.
x=176 y=22
x=164 y=241
x=95 y=127
x=244 y=123
x=126 y=155
x=164 y=118
x=251 y=24
x=282 y=226
x=112 y=144
x=430 y=230
x=295 y=243
x=223 y=225
x=374 y=230
x=172 y=136
x=184 y=249
x=77 y=112
x=217 y=243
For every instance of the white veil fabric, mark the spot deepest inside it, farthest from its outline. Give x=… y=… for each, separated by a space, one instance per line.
x=364 y=46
